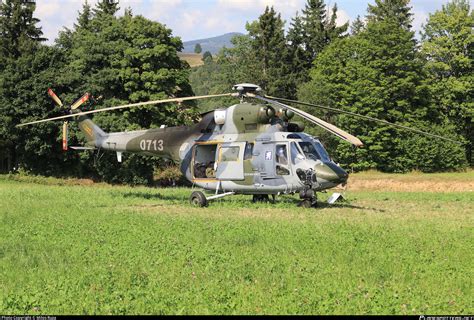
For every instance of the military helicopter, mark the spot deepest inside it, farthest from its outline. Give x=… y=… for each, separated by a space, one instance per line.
x=250 y=148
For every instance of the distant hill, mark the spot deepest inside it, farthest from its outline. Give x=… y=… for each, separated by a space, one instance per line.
x=213 y=45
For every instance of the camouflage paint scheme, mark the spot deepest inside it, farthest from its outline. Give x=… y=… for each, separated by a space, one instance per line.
x=245 y=123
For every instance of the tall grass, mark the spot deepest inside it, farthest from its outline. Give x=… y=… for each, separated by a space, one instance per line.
x=87 y=249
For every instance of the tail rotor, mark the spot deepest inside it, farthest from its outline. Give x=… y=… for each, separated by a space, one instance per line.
x=74 y=106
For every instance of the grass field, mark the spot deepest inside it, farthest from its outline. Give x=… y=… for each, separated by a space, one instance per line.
x=68 y=246
x=194 y=59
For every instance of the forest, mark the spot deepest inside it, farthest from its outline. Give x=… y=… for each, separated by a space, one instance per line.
x=375 y=66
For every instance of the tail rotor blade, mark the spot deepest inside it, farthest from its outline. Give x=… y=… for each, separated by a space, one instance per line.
x=79 y=102
x=65 y=135
x=55 y=97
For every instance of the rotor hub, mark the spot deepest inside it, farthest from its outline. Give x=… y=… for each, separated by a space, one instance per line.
x=244 y=88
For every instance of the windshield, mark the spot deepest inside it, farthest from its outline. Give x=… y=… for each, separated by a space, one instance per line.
x=314 y=151
x=322 y=152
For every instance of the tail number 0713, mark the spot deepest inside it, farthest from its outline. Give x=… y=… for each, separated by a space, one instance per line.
x=151 y=145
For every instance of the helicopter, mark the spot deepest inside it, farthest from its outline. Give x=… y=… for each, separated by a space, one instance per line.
x=251 y=148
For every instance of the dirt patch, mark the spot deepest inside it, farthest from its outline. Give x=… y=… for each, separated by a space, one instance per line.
x=361 y=184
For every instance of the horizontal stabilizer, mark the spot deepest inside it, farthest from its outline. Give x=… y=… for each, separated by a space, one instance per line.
x=83 y=148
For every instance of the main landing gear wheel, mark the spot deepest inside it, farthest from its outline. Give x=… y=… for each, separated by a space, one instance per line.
x=260 y=198
x=198 y=199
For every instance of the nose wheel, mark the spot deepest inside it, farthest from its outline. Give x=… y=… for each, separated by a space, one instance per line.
x=308 y=199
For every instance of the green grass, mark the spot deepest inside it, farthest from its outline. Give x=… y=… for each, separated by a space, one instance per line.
x=99 y=249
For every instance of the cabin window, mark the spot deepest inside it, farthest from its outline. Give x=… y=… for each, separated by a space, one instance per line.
x=248 y=151
x=296 y=154
x=281 y=154
x=230 y=154
x=282 y=160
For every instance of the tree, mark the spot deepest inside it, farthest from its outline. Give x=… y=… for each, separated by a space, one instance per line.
x=298 y=56
x=357 y=26
x=197 y=48
x=333 y=31
x=397 y=11
x=106 y=8
x=85 y=16
x=378 y=73
x=19 y=43
x=18 y=28
x=126 y=59
x=448 y=44
x=314 y=17
x=319 y=29
x=271 y=53
x=207 y=56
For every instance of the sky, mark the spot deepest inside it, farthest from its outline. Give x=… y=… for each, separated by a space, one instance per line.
x=197 y=19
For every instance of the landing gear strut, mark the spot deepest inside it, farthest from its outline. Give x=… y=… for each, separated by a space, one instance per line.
x=198 y=199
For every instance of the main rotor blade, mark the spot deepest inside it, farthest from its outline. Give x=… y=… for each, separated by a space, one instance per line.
x=364 y=117
x=126 y=106
x=323 y=124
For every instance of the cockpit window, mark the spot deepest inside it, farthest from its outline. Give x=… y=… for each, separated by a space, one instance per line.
x=314 y=151
x=321 y=151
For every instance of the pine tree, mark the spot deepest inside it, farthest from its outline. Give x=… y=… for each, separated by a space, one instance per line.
x=318 y=29
x=106 y=8
x=314 y=17
x=18 y=28
x=357 y=26
x=333 y=31
x=298 y=56
x=396 y=11
x=269 y=47
x=85 y=17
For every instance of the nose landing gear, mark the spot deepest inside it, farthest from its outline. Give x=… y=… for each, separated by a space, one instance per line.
x=308 y=198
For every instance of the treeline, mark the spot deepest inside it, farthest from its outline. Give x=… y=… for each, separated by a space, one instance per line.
x=117 y=59
x=374 y=67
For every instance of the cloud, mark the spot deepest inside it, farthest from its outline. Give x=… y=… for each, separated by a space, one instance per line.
x=342 y=17
x=193 y=19
x=161 y=9
x=256 y=7
x=56 y=14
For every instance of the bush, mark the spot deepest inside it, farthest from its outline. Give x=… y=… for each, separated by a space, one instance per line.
x=169 y=175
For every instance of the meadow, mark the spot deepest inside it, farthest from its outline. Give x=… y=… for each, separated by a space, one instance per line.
x=194 y=59
x=400 y=244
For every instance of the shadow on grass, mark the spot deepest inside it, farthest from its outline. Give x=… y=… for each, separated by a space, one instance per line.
x=245 y=202
x=323 y=205
x=156 y=196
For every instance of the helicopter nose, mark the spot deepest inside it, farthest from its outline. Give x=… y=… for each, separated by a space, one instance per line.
x=332 y=172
